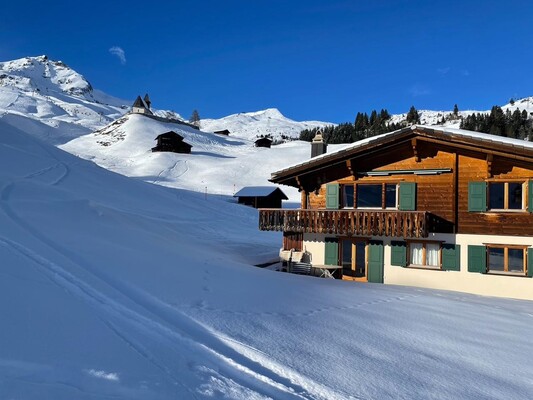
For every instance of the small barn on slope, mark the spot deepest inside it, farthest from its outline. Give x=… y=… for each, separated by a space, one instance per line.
x=171 y=141
x=261 y=196
x=263 y=142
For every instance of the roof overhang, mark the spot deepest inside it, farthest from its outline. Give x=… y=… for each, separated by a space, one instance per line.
x=310 y=175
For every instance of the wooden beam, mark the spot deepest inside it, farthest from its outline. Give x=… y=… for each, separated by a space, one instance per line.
x=300 y=186
x=351 y=168
x=415 y=151
x=489 y=165
x=455 y=193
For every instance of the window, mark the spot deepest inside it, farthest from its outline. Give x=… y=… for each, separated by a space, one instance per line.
x=506 y=195
x=426 y=254
x=348 y=196
x=506 y=259
x=382 y=195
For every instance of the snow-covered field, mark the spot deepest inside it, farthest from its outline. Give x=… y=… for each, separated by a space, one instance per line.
x=217 y=164
x=115 y=288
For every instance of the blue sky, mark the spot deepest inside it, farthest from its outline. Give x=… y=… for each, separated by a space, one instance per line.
x=323 y=60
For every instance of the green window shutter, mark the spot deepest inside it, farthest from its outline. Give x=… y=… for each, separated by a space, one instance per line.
x=398 y=254
x=477 y=196
x=332 y=196
x=477 y=259
x=331 y=254
x=451 y=256
x=407 y=196
x=530 y=196
x=530 y=262
x=375 y=261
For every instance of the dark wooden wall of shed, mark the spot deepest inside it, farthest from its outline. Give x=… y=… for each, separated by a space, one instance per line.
x=272 y=201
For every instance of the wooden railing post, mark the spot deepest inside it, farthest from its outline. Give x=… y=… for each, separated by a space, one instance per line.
x=347 y=222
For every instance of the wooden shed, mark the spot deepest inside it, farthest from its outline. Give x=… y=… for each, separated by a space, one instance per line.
x=263 y=142
x=173 y=142
x=261 y=196
x=224 y=132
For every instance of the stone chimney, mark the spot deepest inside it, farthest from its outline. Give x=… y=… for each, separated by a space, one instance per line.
x=318 y=146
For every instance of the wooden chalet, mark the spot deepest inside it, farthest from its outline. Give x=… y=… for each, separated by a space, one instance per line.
x=173 y=142
x=421 y=206
x=263 y=142
x=224 y=132
x=261 y=196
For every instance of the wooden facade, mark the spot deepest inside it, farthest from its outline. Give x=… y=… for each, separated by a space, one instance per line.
x=441 y=167
x=397 y=207
x=261 y=197
x=172 y=142
x=263 y=142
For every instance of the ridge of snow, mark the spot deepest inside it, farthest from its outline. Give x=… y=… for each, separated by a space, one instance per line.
x=217 y=164
x=251 y=125
x=114 y=288
x=55 y=101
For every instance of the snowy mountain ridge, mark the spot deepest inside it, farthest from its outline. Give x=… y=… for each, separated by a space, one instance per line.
x=270 y=122
x=52 y=101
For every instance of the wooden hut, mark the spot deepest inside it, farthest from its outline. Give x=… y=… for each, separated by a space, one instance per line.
x=224 y=132
x=171 y=141
x=261 y=196
x=263 y=142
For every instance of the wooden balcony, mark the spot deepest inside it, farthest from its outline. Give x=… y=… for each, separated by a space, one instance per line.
x=407 y=224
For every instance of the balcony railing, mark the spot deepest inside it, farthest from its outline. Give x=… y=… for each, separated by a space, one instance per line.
x=407 y=224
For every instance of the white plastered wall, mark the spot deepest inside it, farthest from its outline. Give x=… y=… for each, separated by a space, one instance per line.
x=517 y=287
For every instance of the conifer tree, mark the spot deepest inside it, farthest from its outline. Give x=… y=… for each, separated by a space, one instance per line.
x=412 y=116
x=195 y=118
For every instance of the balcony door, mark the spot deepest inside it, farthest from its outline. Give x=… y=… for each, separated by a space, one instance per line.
x=354 y=259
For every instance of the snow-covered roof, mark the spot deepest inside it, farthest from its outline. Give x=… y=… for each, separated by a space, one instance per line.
x=258 y=191
x=484 y=138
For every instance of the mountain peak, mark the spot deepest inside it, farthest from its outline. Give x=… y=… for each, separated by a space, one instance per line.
x=41 y=74
x=269 y=113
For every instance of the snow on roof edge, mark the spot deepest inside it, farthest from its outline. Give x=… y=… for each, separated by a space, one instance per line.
x=455 y=131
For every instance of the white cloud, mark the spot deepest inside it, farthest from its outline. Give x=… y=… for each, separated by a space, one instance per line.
x=444 y=70
x=465 y=72
x=119 y=52
x=111 y=376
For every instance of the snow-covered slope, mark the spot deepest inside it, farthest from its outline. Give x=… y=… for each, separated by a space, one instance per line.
x=430 y=117
x=252 y=125
x=52 y=101
x=114 y=288
x=217 y=164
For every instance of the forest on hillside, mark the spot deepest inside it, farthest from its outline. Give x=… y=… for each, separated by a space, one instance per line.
x=517 y=124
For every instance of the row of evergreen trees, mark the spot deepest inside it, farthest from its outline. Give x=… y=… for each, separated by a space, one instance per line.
x=364 y=126
x=514 y=125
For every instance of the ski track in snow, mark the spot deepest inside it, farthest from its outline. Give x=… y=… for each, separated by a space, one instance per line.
x=235 y=365
x=172 y=168
x=249 y=373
